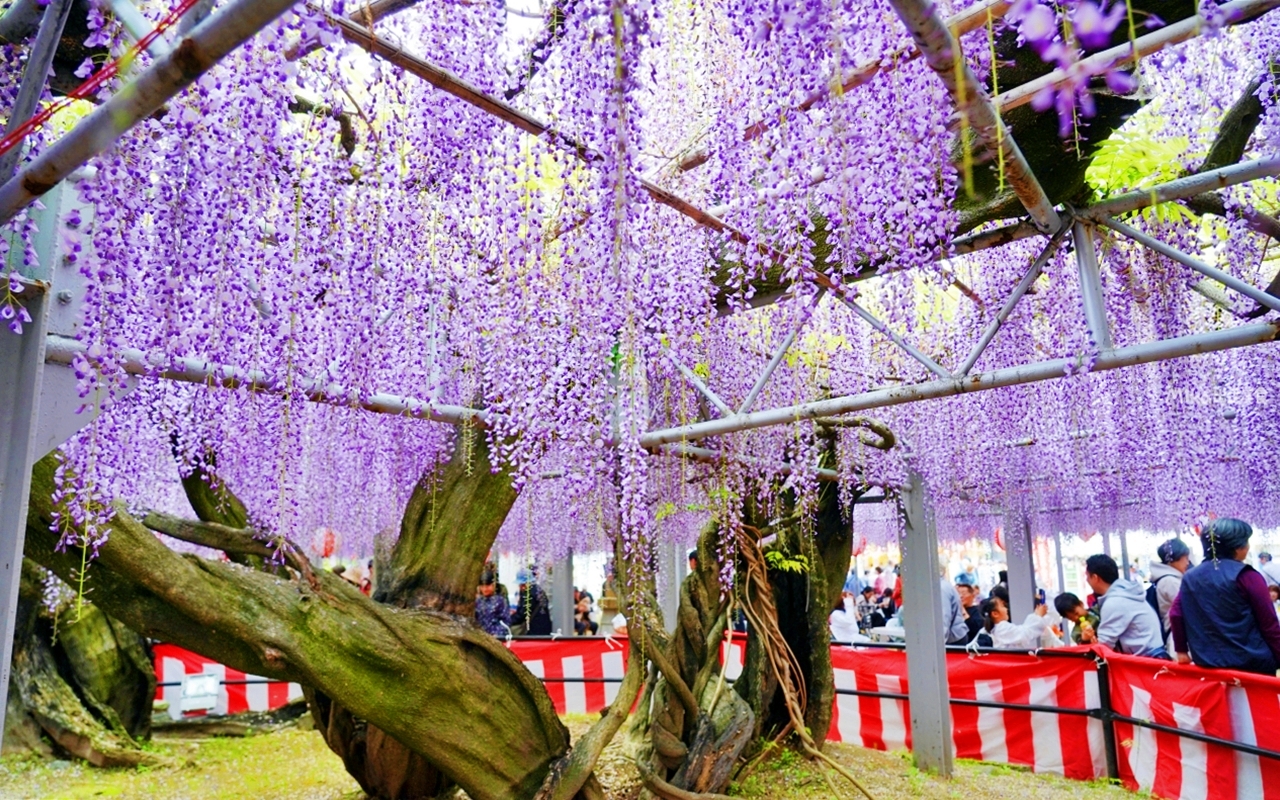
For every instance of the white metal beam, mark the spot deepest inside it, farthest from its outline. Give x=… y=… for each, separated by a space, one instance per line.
x=207 y=44
x=1145 y=353
x=1095 y=304
x=1225 y=278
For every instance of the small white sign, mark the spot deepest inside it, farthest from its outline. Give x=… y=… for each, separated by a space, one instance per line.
x=199 y=692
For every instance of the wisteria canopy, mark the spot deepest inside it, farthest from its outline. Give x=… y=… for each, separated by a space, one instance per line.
x=345 y=228
x=606 y=274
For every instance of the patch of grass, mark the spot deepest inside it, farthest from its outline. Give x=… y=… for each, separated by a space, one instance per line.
x=787 y=775
x=288 y=765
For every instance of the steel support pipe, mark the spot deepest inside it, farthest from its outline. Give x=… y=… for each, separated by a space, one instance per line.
x=205 y=46
x=903 y=344
x=1146 y=353
x=697 y=383
x=1095 y=305
x=778 y=355
x=1225 y=278
x=1021 y=289
x=138 y=26
x=61 y=350
x=926 y=631
x=1181 y=31
x=19 y=20
x=707 y=456
x=946 y=58
x=1182 y=188
x=34 y=77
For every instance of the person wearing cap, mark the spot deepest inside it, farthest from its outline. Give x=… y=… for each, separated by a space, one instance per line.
x=491 y=607
x=1223 y=617
x=1166 y=580
x=532 y=614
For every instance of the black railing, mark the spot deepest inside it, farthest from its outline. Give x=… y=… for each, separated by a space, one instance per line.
x=1104 y=713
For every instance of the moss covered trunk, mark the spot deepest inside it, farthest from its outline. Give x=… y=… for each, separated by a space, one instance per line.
x=82 y=684
x=429 y=680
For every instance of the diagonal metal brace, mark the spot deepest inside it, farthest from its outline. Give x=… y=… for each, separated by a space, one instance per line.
x=903 y=344
x=697 y=383
x=777 y=359
x=1225 y=278
x=1021 y=289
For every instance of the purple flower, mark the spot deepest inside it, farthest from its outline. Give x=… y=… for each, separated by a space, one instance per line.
x=1093 y=26
x=1121 y=82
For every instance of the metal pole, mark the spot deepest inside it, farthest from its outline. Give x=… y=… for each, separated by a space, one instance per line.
x=1108 y=722
x=671 y=575
x=946 y=58
x=1252 y=292
x=20 y=20
x=562 y=605
x=1057 y=551
x=61 y=350
x=1095 y=305
x=34 y=77
x=697 y=383
x=1022 y=571
x=138 y=26
x=777 y=359
x=1145 y=353
x=1124 y=554
x=1182 y=188
x=903 y=344
x=21 y=365
x=1181 y=31
x=1021 y=289
x=926 y=646
x=195 y=54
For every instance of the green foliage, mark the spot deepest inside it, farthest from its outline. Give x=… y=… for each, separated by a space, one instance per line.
x=1138 y=156
x=779 y=561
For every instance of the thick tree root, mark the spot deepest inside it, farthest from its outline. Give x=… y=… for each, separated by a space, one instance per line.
x=572 y=774
x=666 y=791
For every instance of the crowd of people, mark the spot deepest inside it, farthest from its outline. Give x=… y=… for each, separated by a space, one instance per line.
x=1222 y=613
x=531 y=615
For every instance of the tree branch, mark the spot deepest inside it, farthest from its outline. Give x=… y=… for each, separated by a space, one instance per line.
x=883 y=438
x=571 y=773
x=232 y=541
x=1228 y=147
x=552 y=32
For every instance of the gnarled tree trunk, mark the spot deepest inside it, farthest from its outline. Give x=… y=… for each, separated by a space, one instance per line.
x=81 y=685
x=429 y=680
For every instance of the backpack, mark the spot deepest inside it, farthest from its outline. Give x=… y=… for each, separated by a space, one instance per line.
x=1153 y=600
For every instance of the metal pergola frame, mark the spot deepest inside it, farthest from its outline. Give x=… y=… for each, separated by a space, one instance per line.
x=22 y=358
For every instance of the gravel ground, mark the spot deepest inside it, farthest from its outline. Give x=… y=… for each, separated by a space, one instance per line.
x=295 y=765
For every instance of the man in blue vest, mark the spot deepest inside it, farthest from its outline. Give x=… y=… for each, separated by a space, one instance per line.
x=1223 y=617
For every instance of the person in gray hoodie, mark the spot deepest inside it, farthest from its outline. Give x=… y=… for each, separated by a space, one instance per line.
x=1166 y=578
x=1128 y=622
